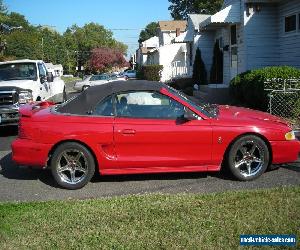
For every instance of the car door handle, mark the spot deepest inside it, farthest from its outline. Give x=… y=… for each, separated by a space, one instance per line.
x=128 y=132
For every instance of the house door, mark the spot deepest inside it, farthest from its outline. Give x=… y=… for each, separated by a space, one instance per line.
x=148 y=133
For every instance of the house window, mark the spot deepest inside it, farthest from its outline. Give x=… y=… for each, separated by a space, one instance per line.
x=221 y=43
x=234 y=57
x=290 y=23
x=233 y=34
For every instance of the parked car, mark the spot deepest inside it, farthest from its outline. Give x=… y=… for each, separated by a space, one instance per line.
x=148 y=127
x=24 y=81
x=95 y=80
x=129 y=74
x=91 y=81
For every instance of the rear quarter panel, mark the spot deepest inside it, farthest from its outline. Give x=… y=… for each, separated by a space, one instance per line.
x=95 y=132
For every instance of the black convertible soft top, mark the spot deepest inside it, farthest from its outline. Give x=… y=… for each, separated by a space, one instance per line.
x=88 y=99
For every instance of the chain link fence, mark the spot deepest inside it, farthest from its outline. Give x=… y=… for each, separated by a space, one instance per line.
x=284 y=97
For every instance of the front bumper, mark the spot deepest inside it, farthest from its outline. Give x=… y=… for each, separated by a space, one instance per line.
x=285 y=151
x=30 y=153
x=9 y=115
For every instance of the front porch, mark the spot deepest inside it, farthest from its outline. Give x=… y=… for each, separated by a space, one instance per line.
x=180 y=69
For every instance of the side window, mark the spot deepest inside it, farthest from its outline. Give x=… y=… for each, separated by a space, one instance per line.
x=148 y=105
x=42 y=71
x=290 y=23
x=105 y=107
x=233 y=38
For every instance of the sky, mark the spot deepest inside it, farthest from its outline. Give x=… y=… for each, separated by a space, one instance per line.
x=116 y=15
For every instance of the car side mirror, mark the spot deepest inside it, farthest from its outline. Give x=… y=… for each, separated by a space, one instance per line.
x=43 y=79
x=189 y=115
x=50 y=77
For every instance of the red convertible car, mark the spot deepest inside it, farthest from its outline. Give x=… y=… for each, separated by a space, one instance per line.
x=147 y=127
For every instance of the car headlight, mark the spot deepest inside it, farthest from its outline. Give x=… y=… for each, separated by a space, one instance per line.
x=290 y=136
x=25 y=97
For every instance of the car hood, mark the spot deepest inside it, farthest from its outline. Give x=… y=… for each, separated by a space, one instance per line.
x=245 y=114
x=22 y=84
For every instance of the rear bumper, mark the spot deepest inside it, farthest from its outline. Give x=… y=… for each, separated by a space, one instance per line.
x=285 y=151
x=29 y=153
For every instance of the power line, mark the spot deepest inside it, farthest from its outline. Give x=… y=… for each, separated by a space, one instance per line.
x=123 y=29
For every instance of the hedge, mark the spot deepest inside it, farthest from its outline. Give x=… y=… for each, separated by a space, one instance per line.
x=248 y=88
x=150 y=72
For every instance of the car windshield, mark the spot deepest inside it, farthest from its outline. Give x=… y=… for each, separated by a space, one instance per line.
x=210 y=110
x=98 y=77
x=18 y=71
x=113 y=77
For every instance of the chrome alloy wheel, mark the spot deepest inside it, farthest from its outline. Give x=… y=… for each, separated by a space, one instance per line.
x=72 y=166
x=249 y=158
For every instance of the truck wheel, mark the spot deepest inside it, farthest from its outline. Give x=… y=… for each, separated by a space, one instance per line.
x=64 y=95
x=72 y=165
x=85 y=87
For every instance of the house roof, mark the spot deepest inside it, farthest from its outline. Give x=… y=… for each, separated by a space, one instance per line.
x=185 y=37
x=197 y=19
x=145 y=50
x=172 y=25
x=151 y=42
x=229 y=15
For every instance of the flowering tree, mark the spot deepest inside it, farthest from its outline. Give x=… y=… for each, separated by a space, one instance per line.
x=106 y=58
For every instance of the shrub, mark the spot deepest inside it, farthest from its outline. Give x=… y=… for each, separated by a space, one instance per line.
x=216 y=71
x=182 y=83
x=199 y=71
x=151 y=72
x=248 y=88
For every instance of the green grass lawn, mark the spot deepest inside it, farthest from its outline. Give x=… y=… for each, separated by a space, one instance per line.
x=155 y=221
x=68 y=80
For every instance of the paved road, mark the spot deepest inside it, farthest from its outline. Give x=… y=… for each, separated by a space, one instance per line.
x=18 y=183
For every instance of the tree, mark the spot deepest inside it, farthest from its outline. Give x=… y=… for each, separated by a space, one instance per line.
x=199 y=71
x=17 y=20
x=105 y=58
x=71 y=49
x=82 y=40
x=23 y=45
x=3 y=8
x=149 y=31
x=216 y=72
x=180 y=9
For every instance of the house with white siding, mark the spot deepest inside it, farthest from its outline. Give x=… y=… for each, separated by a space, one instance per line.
x=172 y=55
x=251 y=34
x=145 y=47
x=254 y=34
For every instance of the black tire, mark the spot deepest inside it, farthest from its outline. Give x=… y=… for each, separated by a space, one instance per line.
x=85 y=87
x=64 y=95
x=72 y=165
x=248 y=158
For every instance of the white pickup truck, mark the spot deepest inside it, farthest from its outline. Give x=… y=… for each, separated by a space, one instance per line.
x=23 y=81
